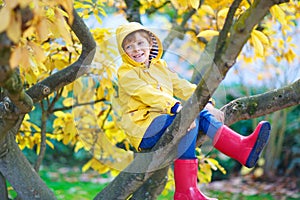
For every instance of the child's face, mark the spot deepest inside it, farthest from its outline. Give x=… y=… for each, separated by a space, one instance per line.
x=138 y=48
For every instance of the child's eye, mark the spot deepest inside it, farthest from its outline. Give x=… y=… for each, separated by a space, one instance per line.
x=128 y=47
x=141 y=43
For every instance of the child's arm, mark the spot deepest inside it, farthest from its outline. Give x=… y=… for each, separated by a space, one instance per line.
x=182 y=88
x=140 y=90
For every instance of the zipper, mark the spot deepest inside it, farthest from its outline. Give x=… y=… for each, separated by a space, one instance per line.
x=147 y=70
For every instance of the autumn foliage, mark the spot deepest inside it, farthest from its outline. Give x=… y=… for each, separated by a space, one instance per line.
x=42 y=43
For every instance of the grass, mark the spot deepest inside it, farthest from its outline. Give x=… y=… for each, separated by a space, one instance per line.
x=72 y=184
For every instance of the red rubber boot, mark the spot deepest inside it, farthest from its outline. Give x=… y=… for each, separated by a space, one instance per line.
x=245 y=149
x=185 y=173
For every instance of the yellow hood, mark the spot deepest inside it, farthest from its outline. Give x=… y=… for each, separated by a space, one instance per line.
x=124 y=30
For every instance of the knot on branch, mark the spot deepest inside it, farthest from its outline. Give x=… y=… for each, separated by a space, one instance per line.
x=45 y=90
x=14 y=84
x=237 y=106
x=6 y=106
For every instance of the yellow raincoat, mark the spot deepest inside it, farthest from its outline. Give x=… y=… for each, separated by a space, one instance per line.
x=146 y=92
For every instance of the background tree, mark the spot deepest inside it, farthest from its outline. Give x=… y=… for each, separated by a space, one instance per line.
x=49 y=54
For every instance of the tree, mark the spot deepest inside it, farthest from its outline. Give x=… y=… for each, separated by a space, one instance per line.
x=29 y=76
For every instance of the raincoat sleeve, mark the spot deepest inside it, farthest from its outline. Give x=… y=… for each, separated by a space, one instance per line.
x=140 y=90
x=182 y=88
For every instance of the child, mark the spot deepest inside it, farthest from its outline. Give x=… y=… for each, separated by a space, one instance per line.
x=147 y=90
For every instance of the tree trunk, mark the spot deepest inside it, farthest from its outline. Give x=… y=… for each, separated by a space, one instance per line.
x=21 y=175
x=3 y=188
x=153 y=187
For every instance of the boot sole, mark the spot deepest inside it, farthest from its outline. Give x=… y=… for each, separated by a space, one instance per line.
x=262 y=139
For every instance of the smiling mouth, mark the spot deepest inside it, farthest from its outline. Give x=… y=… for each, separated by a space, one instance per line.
x=139 y=55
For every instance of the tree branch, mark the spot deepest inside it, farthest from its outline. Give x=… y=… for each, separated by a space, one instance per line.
x=227 y=26
x=133 y=10
x=3 y=188
x=10 y=166
x=262 y=104
x=153 y=186
x=177 y=30
x=153 y=9
x=229 y=47
x=72 y=72
x=43 y=139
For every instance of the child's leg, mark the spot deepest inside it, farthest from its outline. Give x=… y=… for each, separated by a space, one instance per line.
x=187 y=145
x=156 y=130
x=186 y=168
x=245 y=149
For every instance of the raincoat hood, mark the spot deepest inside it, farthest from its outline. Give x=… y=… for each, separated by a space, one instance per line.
x=124 y=30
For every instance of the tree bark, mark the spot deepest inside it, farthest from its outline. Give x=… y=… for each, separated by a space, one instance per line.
x=26 y=182
x=3 y=188
x=72 y=72
x=262 y=104
x=153 y=186
x=133 y=10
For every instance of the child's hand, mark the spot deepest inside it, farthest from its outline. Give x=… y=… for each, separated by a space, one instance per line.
x=218 y=114
x=192 y=126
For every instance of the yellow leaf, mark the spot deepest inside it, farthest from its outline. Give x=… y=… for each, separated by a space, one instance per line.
x=246 y=170
x=68 y=6
x=50 y=14
x=38 y=52
x=208 y=33
x=34 y=67
x=78 y=146
x=257 y=44
x=5 y=15
x=24 y=3
x=180 y=4
x=65 y=92
x=98 y=19
x=43 y=30
x=208 y=10
x=290 y=56
x=258 y=172
x=261 y=36
x=14 y=28
x=11 y=3
x=38 y=149
x=15 y=57
x=205 y=173
x=248 y=59
x=23 y=58
x=68 y=102
x=61 y=26
x=59 y=114
x=87 y=166
x=215 y=163
x=194 y=4
x=66 y=139
x=260 y=76
x=30 y=78
x=223 y=13
x=114 y=173
x=175 y=3
x=278 y=14
x=50 y=144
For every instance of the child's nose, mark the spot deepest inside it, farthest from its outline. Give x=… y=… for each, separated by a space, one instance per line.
x=135 y=48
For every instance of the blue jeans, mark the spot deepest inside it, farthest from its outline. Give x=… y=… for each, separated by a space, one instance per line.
x=186 y=149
